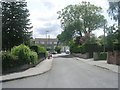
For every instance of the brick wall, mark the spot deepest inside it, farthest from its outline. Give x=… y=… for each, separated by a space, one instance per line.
x=113 y=57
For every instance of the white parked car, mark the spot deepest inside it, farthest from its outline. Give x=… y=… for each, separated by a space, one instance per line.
x=67 y=51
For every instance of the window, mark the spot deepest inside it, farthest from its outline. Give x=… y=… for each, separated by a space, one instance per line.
x=49 y=42
x=36 y=42
x=55 y=42
x=42 y=42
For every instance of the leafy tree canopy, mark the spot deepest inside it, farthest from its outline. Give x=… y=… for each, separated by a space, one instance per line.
x=80 y=19
x=114 y=12
x=15 y=24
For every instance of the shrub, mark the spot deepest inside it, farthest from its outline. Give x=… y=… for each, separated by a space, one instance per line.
x=33 y=57
x=58 y=49
x=81 y=49
x=18 y=56
x=22 y=52
x=39 y=50
x=74 y=48
x=102 y=55
x=46 y=54
x=35 y=48
x=8 y=60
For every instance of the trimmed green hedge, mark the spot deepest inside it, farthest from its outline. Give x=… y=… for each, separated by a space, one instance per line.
x=9 y=60
x=35 y=48
x=22 y=52
x=74 y=48
x=19 y=55
x=102 y=55
x=33 y=57
x=39 y=50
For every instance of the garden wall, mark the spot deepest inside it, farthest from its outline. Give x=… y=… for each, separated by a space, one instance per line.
x=113 y=57
x=21 y=68
x=85 y=56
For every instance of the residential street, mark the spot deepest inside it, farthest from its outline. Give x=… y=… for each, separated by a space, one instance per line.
x=67 y=72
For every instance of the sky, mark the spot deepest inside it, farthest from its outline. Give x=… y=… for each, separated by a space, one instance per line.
x=43 y=15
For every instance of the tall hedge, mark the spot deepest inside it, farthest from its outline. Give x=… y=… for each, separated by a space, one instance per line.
x=9 y=61
x=40 y=50
x=24 y=54
x=58 y=49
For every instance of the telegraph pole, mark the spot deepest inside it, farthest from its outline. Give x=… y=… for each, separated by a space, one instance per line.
x=46 y=38
x=104 y=36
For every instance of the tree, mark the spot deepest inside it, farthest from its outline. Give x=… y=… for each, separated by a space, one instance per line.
x=111 y=36
x=114 y=12
x=15 y=24
x=58 y=49
x=80 y=19
x=91 y=40
x=66 y=35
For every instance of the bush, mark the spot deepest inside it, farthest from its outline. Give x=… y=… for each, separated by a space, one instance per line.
x=22 y=52
x=102 y=55
x=42 y=49
x=58 y=49
x=82 y=49
x=35 y=48
x=74 y=48
x=19 y=55
x=39 y=50
x=8 y=60
x=33 y=57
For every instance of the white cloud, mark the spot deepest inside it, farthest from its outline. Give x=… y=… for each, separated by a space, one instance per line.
x=43 y=14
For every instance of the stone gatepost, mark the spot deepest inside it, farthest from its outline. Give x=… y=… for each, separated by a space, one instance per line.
x=95 y=55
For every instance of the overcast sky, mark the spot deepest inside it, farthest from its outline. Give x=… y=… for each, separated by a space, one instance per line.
x=43 y=15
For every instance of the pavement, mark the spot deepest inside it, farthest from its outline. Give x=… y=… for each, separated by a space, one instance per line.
x=46 y=65
x=41 y=68
x=102 y=64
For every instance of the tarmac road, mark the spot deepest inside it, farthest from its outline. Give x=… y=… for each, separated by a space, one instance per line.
x=67 y=72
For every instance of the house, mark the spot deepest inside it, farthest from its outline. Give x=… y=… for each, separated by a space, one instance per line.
x=49 y=43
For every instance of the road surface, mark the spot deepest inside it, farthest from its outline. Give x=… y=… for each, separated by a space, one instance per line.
x=67 y=72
